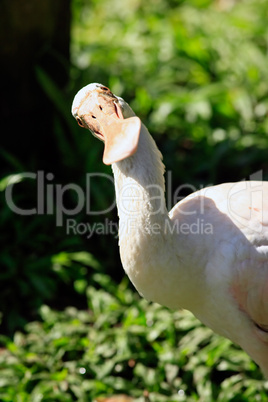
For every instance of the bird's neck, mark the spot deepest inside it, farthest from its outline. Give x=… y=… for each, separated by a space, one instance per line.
x=140 y=189
x=146 y=246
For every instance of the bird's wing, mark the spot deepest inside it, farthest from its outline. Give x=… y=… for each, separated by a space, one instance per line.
x=247 y=206
x=238 y=213
x=244 y=203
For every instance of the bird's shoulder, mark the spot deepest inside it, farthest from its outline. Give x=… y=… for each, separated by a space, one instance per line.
x=242 y=206
x=237 y=253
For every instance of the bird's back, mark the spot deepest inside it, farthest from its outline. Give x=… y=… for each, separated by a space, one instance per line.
x=245 y=204
x=229 y=249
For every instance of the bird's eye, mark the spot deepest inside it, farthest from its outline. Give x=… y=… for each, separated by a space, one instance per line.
x=105 y=88
x=79 y=121
x=263 y=328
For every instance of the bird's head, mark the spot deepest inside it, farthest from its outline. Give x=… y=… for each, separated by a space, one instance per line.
x=110 y=119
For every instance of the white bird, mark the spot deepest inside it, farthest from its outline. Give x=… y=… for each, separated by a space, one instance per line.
x=209 y=254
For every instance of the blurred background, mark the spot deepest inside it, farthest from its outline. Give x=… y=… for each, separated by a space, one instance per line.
x=196 y=73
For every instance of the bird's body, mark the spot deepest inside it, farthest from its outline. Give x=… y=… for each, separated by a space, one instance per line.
x=209 y=254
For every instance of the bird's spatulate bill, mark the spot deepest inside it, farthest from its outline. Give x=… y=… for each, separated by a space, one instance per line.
x=121 y=139
x=98 y=109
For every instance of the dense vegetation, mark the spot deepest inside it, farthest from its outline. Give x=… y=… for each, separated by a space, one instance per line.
x=73 y=328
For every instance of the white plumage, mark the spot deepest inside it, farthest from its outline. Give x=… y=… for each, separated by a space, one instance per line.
x=209 y=254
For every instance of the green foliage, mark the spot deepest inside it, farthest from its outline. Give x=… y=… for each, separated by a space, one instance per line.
x=123 y=344
x=196 y=74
